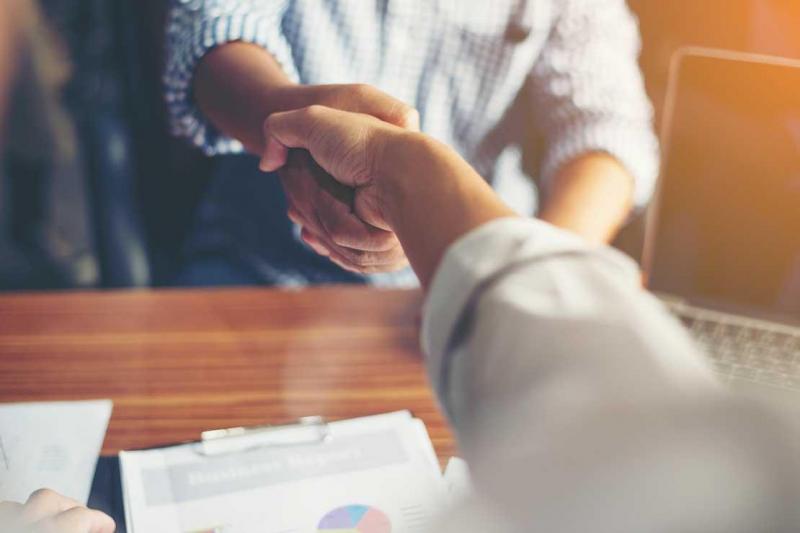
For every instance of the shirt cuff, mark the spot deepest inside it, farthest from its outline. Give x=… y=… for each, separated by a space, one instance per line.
x=635 y=146
x=479 y=258
x=186 y=120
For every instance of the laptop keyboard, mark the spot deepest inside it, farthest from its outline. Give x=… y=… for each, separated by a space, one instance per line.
x=742 y=350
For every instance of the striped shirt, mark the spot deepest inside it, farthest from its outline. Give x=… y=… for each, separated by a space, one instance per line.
x=560 y=77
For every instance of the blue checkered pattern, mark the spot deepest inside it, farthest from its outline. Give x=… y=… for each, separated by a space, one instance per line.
x=484 y=74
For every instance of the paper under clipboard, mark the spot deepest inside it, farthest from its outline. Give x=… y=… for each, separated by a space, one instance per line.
x=376 y=474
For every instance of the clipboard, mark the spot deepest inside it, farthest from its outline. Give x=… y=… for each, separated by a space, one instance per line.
x=307 y=430
x=383 y=465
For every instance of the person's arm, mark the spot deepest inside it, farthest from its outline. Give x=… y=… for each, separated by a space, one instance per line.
x=403 y=180
x=238 y=85
x=228 y=69
x=578 y=402
x=591 y=196
x=600 y=153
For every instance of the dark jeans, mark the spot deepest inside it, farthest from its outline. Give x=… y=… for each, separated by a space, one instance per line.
x=242 y=236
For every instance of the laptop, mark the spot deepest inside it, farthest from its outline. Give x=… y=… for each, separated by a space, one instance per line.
x=723 y=235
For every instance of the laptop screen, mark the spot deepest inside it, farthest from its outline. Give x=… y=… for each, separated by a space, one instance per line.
x=728 y=226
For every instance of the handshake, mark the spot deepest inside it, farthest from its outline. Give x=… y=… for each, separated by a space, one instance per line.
x=328 y=156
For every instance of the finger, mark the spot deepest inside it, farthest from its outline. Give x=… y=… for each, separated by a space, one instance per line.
x=382 y=268
x=274 y=156
x=300 y=189
x=335 y=253
x=343 y=264
x=309 y=226
x=327 y=206
x=375 y=102
x=347 y=230
x=294 y=215
x=297 y=216
x=361 y=261
x=10 y=514
x=77 y=520
x=362 y=255
x=44 y=503
x=356 y=260
x=371 y=261
x=322 y=245
x=369 y=100
x=314 y=242
x=403 y=116
x=293 y=129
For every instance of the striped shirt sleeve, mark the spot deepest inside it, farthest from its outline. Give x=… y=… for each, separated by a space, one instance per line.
x=590 y=95
x=194 y=28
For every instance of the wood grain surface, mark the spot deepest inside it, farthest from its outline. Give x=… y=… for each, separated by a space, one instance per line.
x=176 y=363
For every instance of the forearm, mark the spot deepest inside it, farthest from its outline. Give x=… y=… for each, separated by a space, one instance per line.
x=237 y=86
x=591 y=196
x=430 y=210
x=562 y=371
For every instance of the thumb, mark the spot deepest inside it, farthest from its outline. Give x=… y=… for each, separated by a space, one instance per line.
x=342 y=143
x=77 y=520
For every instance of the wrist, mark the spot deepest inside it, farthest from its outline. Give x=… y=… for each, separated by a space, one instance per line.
x=237 y=86
x=402 y=162
x=430 y=197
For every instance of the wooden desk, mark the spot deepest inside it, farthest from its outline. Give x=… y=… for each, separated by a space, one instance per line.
x=179 y=362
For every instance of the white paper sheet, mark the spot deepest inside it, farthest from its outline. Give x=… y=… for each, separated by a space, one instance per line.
x=457 y=479
x=51 y=445
x=374 y=475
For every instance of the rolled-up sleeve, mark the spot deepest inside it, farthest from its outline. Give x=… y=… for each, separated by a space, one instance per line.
x=589 y=95
x=521 y=289
x=580 y=404
x=194 y=28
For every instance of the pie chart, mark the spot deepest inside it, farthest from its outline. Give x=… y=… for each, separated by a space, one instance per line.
x=355 y=519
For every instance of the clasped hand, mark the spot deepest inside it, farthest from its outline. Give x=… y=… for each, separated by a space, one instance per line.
x=352 y=232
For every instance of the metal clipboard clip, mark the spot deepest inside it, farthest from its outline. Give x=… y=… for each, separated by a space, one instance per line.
x=307 y=430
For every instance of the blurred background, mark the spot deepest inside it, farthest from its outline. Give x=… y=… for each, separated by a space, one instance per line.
x=94 y=192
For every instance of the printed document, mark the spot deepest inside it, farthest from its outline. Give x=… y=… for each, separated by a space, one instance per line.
x=371 y=475
x=51 y=445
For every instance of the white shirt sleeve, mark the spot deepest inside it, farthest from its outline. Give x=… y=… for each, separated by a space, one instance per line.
x=581 y=405
x=589 y=94
x=194 y=28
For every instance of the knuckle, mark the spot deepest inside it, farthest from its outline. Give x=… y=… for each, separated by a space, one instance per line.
x=405 y=116
x=348 y=97
x=42 y=494
x=361 y=90
x=340 y=237
x=314 y=112
x=411 y=118
x=386 y=241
